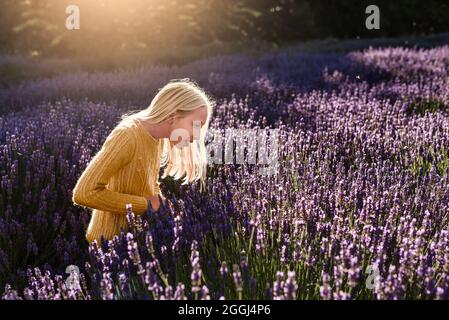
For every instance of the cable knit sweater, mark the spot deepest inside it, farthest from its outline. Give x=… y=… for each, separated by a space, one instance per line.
x=124 y=171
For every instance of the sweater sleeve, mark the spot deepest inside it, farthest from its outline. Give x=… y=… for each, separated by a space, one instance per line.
x=90 y=189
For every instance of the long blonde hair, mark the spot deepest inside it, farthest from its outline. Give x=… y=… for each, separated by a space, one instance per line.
x=182 y=96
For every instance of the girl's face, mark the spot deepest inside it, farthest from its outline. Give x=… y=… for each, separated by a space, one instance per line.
x=187 y=128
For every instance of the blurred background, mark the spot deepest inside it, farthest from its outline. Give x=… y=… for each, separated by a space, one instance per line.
x=114 y=33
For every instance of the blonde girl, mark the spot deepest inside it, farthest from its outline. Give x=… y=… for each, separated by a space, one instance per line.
x=169 y=133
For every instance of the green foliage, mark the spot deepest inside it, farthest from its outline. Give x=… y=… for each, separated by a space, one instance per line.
x=111 y=26
x=439 y=160
x=421 y=106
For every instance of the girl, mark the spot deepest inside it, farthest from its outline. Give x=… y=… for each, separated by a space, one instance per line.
x=171 y=131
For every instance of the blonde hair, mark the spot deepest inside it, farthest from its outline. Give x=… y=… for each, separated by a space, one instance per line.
x=179 y=96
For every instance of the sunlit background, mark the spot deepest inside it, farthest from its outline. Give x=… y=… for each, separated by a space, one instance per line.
x=37 y=27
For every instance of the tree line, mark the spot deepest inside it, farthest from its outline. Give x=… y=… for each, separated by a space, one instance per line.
x=39 y=25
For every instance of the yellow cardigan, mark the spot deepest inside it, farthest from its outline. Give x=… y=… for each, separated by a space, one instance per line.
x=124 y=171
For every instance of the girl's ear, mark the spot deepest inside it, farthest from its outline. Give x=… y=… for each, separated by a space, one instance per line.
x=171 y=118
x=174 y=115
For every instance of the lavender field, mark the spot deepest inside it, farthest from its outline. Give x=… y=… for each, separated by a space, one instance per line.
x=358 y=210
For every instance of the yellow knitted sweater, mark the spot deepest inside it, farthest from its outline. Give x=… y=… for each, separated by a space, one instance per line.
x=124 y=171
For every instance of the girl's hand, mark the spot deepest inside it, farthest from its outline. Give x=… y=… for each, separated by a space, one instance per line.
x=154 y=202
x=164 y=200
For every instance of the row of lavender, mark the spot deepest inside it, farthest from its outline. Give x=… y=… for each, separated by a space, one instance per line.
x=362 y=188
x=389 y=68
